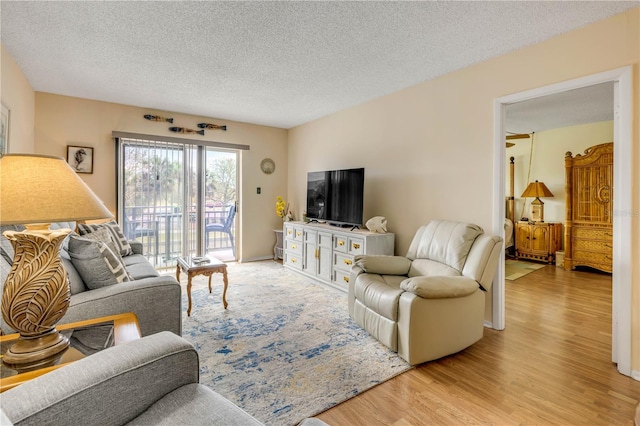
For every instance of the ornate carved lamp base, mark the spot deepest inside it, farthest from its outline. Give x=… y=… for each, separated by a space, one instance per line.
x=36 y=296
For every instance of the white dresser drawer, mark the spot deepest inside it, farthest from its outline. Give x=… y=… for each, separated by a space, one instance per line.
x=340 y=244
x=293 y=261
x=341 y=278
x=342 y=261
x=356 y=246
x=294 y=247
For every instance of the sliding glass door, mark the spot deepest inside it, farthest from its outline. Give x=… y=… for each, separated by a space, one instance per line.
x=177 y=199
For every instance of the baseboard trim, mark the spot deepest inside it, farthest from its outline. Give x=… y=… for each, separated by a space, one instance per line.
x=255 y=259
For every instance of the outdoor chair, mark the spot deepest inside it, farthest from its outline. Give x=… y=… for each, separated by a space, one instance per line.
x=224 y=227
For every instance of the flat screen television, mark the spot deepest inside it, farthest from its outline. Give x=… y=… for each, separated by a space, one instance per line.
x=336 y=196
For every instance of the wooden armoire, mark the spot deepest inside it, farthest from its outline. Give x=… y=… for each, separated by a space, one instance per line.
x=588 y=229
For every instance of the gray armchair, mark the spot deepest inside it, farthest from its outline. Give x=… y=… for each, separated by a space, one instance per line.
x=151 y=381
x=431 y=302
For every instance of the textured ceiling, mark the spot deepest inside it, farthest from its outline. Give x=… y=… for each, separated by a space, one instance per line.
x=274 y=63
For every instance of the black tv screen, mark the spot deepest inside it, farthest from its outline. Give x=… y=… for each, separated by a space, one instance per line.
x=336 y=196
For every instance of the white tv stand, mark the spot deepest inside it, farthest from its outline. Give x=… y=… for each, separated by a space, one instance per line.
x=326 y=252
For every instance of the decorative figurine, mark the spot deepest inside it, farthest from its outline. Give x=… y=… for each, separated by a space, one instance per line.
x=211 y=126
x=158 y=118
x=183 y=130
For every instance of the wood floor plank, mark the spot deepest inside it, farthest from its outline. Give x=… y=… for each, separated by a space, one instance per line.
x=551 y=365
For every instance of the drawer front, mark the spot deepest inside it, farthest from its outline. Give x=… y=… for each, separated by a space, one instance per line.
x=289 y=231
x=293 y=247
x=340 y=244
x=593 y=233
x=297 y=234
x=293 y=260
x=592 y=257
x=342 y=261
x=356 y=246
x=593 y=245
x=341 y=278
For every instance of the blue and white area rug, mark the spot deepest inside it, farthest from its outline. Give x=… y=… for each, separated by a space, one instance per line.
x=286 y=348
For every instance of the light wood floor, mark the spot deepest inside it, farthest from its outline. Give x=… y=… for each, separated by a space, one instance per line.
x=551 y=365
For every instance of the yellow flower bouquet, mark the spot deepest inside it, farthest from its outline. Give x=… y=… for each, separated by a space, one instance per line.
x=282 y=207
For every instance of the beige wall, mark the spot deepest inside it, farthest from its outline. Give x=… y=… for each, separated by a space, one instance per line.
x=17 y=95
x=547 y=165
x=428 y=150
x=62 y=121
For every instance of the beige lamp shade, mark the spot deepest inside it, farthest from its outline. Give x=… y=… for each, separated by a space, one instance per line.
x=42 y=189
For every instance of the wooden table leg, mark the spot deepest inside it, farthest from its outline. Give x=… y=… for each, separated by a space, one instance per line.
x=210 y=283
x=178 y=273
x=226 y=284
x=189 y=294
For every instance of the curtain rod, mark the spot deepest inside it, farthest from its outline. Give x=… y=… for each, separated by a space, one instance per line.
x=127 y=135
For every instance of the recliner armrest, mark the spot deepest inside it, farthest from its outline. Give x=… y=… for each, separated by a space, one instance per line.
x=383 y=265
x=113 y=386
x=440 y=287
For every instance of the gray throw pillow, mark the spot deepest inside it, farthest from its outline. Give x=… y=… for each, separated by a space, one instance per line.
x=96 y=263
x=117 y=235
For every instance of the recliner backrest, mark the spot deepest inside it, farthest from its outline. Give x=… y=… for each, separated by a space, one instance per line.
x=446 y=242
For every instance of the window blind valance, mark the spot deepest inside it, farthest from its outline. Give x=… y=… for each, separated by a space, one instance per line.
x=138 y=136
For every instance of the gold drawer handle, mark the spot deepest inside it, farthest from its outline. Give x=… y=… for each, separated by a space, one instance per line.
x=298 y=233
x=289 y=232
x=356 y=246
x=316 y=254
x=293 y=246
x=348 y=262
x=346 y=279
x=340 y=242
x=293 y=260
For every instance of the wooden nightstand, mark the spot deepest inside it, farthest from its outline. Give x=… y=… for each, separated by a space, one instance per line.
x=538 y=241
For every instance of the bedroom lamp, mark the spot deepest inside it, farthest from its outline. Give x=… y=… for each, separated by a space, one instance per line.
x=37 y=190
x=536 y=190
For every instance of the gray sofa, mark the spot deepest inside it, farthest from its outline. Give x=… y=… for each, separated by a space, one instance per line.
x=155 y=299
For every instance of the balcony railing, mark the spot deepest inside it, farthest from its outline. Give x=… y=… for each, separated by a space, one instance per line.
x=160 y=229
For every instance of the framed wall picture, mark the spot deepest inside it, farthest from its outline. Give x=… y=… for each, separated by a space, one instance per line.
x=80 y=158
x=4 y=130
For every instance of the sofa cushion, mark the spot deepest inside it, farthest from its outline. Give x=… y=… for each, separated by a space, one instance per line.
x=194 y=404
x=96 y=263
x=116 y=234
x=139 y=267
x=440 y=287
x=445 y=242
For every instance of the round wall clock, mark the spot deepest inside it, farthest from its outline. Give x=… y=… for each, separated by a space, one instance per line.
x=267 y=166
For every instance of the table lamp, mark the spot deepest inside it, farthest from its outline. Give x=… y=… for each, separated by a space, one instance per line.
x=537 y=189
x=35 y=191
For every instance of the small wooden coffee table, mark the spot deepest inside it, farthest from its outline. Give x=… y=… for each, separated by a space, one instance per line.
x=193 y=268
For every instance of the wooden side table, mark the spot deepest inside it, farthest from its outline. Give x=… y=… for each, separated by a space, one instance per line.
x=86 y=337
x=192 y=268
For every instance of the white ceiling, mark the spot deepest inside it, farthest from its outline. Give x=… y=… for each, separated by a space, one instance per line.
x=273 y=63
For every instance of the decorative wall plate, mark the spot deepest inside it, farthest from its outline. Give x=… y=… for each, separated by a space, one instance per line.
x=267 y=166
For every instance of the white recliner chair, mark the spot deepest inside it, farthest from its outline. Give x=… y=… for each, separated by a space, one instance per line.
x=431 y=302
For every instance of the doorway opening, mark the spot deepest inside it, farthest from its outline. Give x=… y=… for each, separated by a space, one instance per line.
x=621 y=288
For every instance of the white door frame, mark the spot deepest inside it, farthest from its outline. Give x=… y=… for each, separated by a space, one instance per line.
x=622 y=201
